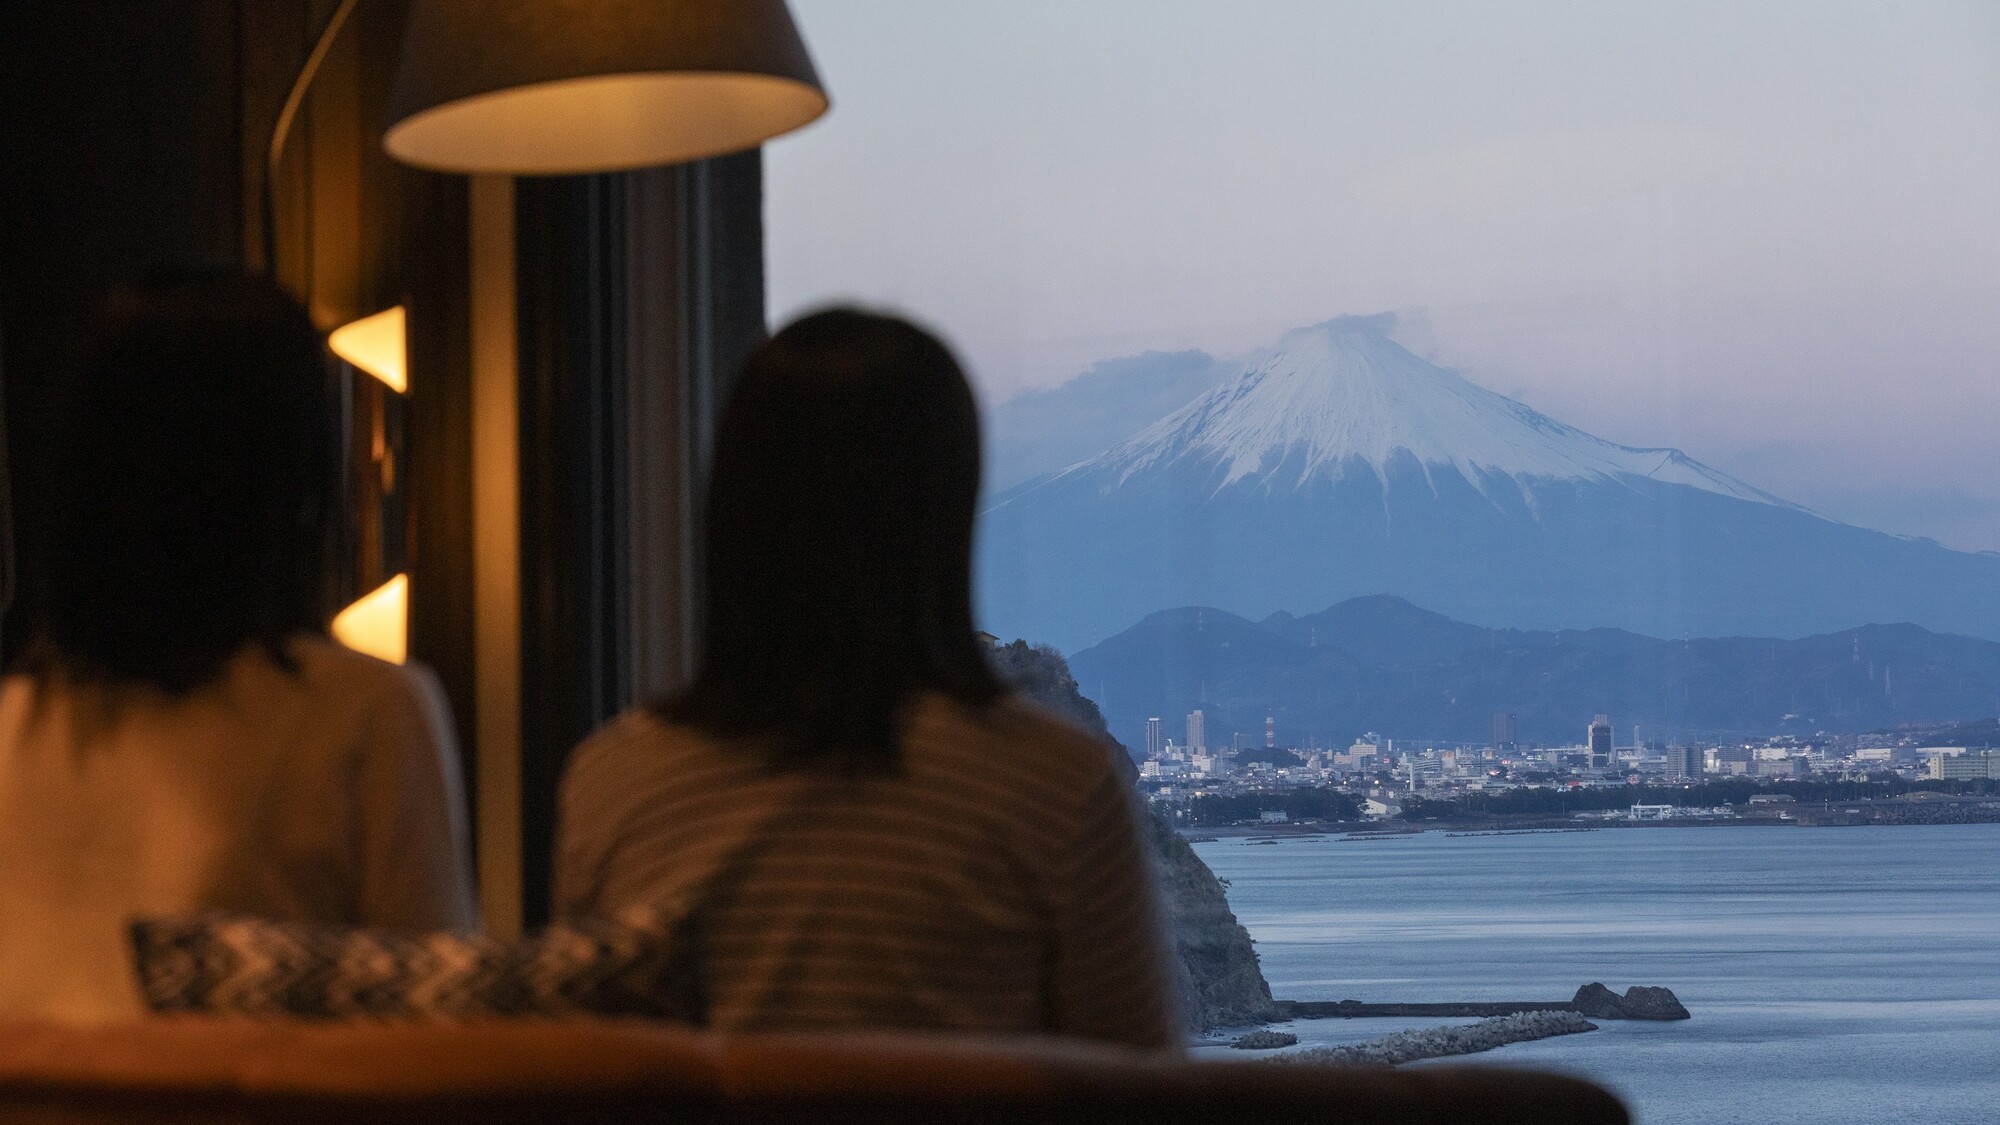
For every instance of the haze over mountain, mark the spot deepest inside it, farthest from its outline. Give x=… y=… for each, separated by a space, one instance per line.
x=1336 y=464
x=1382 y=664
x=1045 y=431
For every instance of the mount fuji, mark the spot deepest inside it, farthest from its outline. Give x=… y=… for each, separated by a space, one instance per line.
x=1336 y=464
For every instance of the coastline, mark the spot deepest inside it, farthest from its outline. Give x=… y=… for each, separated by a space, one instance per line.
x=1821 y=925
x=1339 y=831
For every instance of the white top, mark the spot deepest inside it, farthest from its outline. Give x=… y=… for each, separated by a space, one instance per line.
x=329 y=793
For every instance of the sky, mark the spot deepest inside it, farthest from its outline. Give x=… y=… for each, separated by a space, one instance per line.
x=1766 y=233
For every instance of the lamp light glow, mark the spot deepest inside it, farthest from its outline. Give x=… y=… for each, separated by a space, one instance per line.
x=378 y=623
x=556 y=87
x=376 y=345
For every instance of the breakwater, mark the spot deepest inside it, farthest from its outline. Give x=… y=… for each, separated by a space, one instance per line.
x=1355 y=1009
x=1441 y=1042
x=1593 y=1000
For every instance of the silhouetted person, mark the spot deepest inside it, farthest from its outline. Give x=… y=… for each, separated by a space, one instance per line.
x=875 y=831
x=181 y=736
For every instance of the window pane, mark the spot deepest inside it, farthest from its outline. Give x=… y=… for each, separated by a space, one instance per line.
x=1494 y=417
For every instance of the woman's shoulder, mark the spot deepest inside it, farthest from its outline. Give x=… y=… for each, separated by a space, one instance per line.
x=324 y=667
x=637 y=740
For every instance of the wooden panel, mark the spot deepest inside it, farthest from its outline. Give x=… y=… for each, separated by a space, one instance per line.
x=439 y=413
x=496 y=574
x=273 y=40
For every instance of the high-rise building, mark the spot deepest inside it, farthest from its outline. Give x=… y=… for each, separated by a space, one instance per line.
x=1600 y=741
x=1153 y=737
x=1270 y=731
x=1684 y=761
x=1503 y=730
x=1197 y=732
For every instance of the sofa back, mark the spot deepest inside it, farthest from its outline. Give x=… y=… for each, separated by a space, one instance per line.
x=239 y=1072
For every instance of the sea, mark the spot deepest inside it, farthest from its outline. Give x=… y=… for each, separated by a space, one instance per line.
x=1840 y=976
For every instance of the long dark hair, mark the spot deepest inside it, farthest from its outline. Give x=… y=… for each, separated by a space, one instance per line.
x=195 y=478
x=839 y=545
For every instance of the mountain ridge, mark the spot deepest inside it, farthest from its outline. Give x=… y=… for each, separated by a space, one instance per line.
x=1336 y=463
x=1384 y=664
x=1281 y=399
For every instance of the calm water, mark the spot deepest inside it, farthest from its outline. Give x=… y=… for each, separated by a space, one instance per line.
x=1835 y=974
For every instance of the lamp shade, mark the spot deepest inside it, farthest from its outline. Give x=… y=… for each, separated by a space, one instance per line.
x=550 y=87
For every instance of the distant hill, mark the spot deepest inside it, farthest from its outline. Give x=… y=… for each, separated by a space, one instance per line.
x=1335 y=463
x=1980 y=732
x=1380 y=663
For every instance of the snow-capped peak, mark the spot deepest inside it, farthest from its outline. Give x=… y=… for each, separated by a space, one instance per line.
x=1342 y=396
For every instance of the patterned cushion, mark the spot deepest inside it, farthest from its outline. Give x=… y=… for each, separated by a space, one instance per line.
x=253 y=966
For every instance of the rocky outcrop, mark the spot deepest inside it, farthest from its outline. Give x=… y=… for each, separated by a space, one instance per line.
x=1264 y=1040
x=1438 y=1042
x=1638 y=1003
x=1221 y=982
x=1216 y=967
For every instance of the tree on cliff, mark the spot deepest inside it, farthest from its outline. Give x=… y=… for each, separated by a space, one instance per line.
x=1221 y=983
x=1040 y=673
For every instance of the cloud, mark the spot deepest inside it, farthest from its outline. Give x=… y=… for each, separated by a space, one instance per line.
x=1548 y=171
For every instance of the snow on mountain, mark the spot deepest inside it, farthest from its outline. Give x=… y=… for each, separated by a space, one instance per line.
x=1336 y=464
x=1342 y=397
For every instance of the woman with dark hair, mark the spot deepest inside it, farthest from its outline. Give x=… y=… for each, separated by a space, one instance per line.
x=871 y=829
x=181 y=736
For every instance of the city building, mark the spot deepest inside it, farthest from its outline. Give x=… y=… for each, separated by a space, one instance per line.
x=1270 y=731
x=1970 y=766
x=1778 y=767
x=1684 y=762
x=1375 y=808
x=1197 y=732
x=1734 y=760
x=1153 y=733
x=1599 y=741
x=1503 y=730
x=1359 y=756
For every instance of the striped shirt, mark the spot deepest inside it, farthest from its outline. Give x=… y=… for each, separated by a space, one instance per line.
x=996 y=883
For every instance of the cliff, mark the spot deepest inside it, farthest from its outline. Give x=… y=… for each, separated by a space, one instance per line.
x=1221 y=983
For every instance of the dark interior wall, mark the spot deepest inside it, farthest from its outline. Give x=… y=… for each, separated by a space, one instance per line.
x=135 y=135
x=120 y=126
